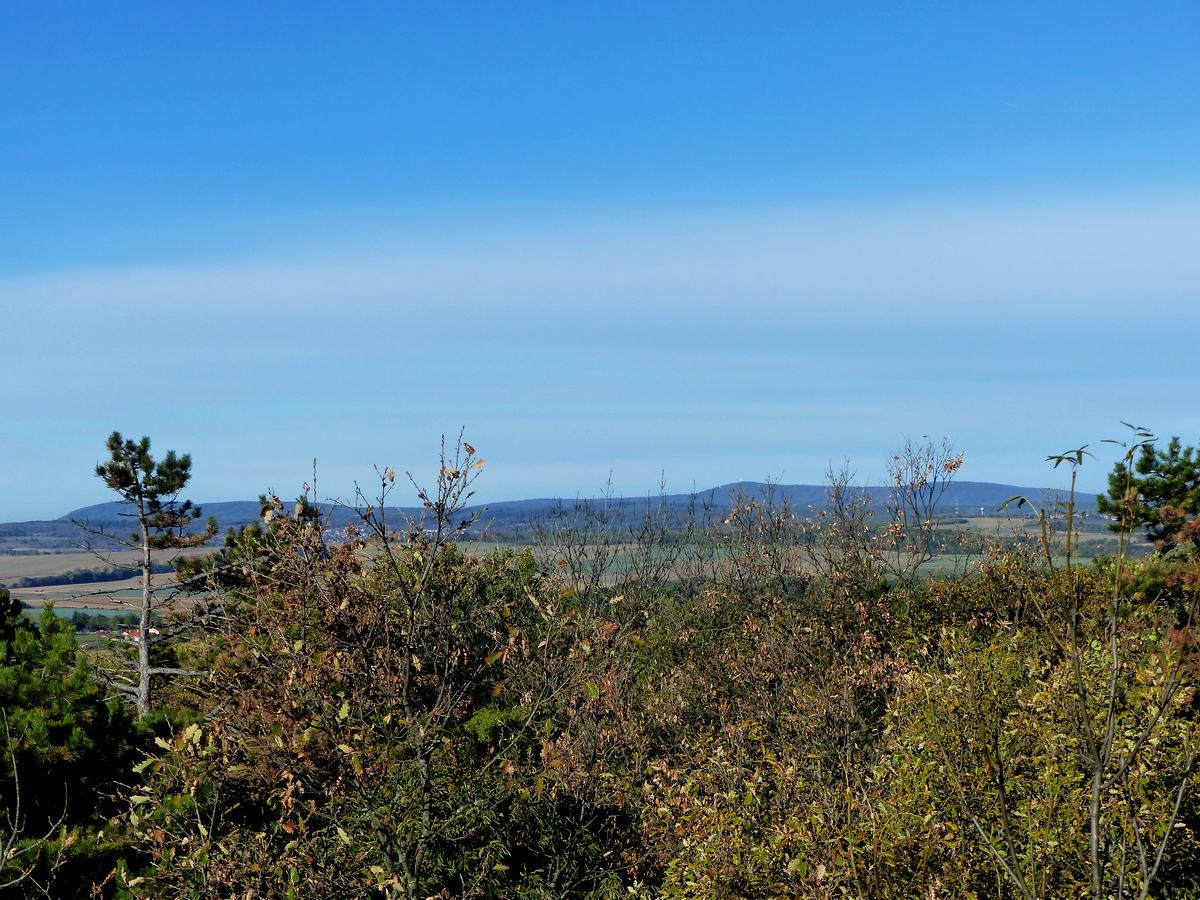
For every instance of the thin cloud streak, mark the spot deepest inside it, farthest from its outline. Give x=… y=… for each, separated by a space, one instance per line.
x=1080 y=253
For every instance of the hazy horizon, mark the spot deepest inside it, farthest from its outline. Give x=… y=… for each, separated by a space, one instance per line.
x=405 y=495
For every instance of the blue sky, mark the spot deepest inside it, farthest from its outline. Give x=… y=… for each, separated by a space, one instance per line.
x=713 y=241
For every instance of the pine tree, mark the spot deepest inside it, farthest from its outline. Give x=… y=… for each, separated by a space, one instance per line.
x=63 y=750
x=151 y=488
x=1159 y=492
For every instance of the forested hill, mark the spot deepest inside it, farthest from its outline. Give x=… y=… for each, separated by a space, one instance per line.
x=964 y=498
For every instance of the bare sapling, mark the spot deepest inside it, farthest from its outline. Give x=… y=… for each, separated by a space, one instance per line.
x=919 y=475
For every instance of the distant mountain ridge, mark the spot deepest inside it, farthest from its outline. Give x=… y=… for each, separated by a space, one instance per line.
x=989 y=495
x=961 y=498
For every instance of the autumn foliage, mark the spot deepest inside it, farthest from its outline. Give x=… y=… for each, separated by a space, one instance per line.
x=797 y=712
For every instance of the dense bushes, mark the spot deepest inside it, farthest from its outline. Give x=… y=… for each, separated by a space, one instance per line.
x=393 y=718
x=425 y=723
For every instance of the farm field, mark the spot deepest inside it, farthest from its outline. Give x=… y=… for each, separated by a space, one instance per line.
x=98 y=595
x=46 y=564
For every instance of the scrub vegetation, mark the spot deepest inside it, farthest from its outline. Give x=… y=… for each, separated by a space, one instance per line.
x=767 y=703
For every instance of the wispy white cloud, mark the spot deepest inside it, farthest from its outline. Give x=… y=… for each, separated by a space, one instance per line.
x=1072 y=253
